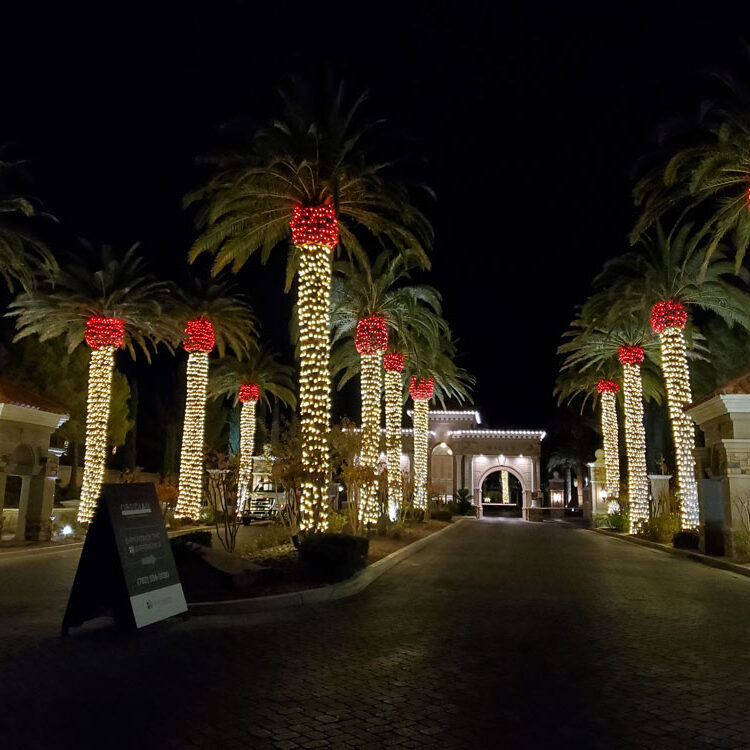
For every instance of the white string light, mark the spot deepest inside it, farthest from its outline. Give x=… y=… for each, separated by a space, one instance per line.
x=677 y=379
x=635 y=436
x=610 y=433
x=247 y=447
x=371 y=370
x=101 y=366
x=190 y=485
x=315 y=389
x=421 y=421
x=510 y=434
x=393 y=442
x=505 y=486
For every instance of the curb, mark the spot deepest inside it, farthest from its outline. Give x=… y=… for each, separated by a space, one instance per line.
x=68 y=546
x=328 y=593
x=685 y=554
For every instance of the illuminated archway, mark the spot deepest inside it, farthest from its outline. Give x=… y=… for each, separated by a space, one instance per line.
x=502 y=493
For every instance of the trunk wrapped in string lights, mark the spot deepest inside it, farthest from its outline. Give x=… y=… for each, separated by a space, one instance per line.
x=608 y=390
x=668 y=320
x=370 y=340
x=199 y=342
x=248 y=396
x=631 y=358
x=314 y=234
x=104 y=336
x=421 y=391
x=505 y=485
x=394 y=365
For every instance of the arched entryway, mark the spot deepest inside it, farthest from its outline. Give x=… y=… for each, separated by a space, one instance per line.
x=502 y=494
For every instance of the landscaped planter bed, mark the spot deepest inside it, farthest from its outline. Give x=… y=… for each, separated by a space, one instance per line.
x=277 y=570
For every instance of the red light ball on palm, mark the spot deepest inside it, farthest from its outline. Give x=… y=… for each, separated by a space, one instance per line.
x=102 y=332
x=314 y=225
x=199 y=335
x=371 y=335
x=421 y=387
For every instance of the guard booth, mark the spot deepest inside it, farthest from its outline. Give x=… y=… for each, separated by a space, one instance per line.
x=28 y=468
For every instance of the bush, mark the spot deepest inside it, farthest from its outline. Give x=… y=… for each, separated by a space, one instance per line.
x=327 y=558
x=661 y=528
x=618 y=521
x=741 y=542
x=415 y=514
x=336 y=521
x=197 y=537
x=686 y=539
x=444 y=514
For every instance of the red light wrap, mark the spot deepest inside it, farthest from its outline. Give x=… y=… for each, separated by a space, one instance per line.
x=371 y=335
x=607 y=386
x=669 y=314
x=104 y=332
x=631 y=355
x=419 y=388
x=314 y=225
x=393 y=361
x=248 y=392
x=199 y=335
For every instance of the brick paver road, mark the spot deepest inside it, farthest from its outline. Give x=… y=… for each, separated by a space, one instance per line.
x=498 y=635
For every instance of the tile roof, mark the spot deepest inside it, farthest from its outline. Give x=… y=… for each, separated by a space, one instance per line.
x=18 y=395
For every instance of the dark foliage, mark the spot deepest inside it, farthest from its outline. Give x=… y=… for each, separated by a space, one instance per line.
x=327 y=558
x=687 y=539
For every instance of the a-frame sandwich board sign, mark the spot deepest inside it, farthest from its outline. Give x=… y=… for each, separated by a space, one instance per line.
x=126 y=568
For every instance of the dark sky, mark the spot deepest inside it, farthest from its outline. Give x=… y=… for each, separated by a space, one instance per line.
x=531 y=117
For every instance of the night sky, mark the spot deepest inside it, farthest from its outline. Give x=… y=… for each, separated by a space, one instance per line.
x=531 y=117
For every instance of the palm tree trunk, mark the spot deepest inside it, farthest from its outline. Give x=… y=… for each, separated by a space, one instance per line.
x=371 y=369
x=393 y=409
x=505 y=484
x=635 y=445
x=190 y=486
x=247 y=448
x=421 y=434
x=610 y=434
x=101 y=366
x=674 y=366
x=313 y=310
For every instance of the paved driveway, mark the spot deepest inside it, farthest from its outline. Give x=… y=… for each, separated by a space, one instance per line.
x=501 y=634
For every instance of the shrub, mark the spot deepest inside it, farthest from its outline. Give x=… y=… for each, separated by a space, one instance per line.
x=741 y=541
x=618 y=521
x=327 y=558
x=207 y=515
x=271 y=535
x=444 y=514
x=197 y=537
x=687 y=539
x=600 y=520
x=464 y=501
x=661 y=528
x=415 y=514
x=336 y=521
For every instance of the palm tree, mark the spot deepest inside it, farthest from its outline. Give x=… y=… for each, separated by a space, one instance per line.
x=318 y=177
x=432 y=373
x=211 y=315
x=368 y=302
x=110 y=302
x=574 y=384
x=258 y=376
x=22 y=255
x=668 y=275
x=709 y=177
x=591 y=345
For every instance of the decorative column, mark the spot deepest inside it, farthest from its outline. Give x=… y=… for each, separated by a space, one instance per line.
x=199 y=341
x=314 y=234
x=668 y=320
x=248 y=398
